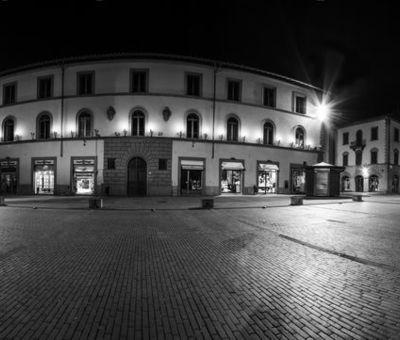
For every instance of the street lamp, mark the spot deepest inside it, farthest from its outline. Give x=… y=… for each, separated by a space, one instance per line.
x=323 y=110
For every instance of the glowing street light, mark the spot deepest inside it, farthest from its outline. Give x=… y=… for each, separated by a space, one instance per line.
x=323 y=110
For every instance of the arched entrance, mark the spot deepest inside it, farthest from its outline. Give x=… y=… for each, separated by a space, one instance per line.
x=395 y=184
x=373 y=183
x=359 y=183
x=345 y=183
x=137 y=177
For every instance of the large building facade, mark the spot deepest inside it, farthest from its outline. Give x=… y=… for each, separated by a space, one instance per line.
x=369 y=151
x=155 y=125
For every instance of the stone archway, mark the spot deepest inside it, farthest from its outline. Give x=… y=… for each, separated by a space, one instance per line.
x=137 y=177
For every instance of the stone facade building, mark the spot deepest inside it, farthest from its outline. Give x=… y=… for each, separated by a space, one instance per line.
x=369 y=150
x=155 y=125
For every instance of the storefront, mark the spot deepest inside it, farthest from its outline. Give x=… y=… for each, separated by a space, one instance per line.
x=84 y=171
x=191 y=176
x=267 y=177
x=43 y=176
x=298 y=179
x=232 y=177
x=9 y=176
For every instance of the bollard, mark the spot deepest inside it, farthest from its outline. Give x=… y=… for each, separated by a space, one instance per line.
x=296 y=200
x=2 y=202
x=207 y=203
x=95 y=203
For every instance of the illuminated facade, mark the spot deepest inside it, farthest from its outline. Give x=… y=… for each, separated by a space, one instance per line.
x=155 y=125
x=369 y=150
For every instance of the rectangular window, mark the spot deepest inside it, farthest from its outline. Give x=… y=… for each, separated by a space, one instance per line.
x=374 y=157
x=269 y=96
x=193 y=84
x=345 y=138
x=110 y=163
x=234 y=89
x=162 y=164
x=396 y=134
x=45 y=87
x=9 y=94
x=345 y=159
x=85 y=83
x=300 y=103
x=139 y=81
x=374 y=133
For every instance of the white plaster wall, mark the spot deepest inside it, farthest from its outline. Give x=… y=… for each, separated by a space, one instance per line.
x=166 y=88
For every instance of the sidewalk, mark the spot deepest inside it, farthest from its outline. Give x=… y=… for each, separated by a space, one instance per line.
x=165 y=203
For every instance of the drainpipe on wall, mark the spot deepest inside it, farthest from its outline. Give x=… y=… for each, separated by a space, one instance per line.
x=387 y=156
x=62 y=109
x=213 y=108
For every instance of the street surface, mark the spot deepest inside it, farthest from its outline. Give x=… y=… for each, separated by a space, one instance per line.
x=160 y=268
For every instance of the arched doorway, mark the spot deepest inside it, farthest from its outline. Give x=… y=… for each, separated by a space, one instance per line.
x=395 y=184
x=137 y=177
x=345 y=183
x=373 y=183
x=359 y=183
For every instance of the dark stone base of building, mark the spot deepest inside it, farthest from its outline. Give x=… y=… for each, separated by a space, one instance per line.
x=137 y=166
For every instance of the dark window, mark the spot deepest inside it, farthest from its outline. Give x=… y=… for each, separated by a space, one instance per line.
x=9 y=94
x=8 y=132
x=44 y=127
x=300 y=104
x=193 y=84
x=374 y=133
x=85 y=83
x=396 y=157
x=345 y=138
x=358 y=157
x=299 y=137
x=234 y=90
x=374 y=156
x=138 y=123
x=396 y=134
x=269 y=97
x=232 y=129
x=359 y=137
x=139 y=81
x=84 y=124
x=110 y=163
x=268 y=133
x=345 y=159
x=45 y=87
x=192 y=126
x=162 y=164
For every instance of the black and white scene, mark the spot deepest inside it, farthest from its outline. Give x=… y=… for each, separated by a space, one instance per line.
x=199 y=170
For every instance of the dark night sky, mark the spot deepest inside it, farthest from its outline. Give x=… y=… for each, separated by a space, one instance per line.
x=350 y=47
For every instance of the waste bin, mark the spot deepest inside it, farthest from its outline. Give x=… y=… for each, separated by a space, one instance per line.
x=207 y=203
x=95 y=203
x=296 y=200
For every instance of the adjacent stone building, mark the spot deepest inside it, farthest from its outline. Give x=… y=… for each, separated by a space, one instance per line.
x=369 y=151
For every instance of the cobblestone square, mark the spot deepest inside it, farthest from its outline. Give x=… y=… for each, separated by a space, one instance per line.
x=248 y=269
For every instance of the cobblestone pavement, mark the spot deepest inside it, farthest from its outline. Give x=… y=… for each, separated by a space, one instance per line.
x=321 y=271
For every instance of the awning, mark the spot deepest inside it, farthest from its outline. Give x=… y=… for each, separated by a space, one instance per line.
x=267 y=167
x=192 y=165
x=232 y=166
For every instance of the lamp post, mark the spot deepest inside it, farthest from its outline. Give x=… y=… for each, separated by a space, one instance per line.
x=323 y=111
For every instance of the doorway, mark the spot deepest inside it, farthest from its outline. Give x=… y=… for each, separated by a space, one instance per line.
x=137 y=177
x=359 y=183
